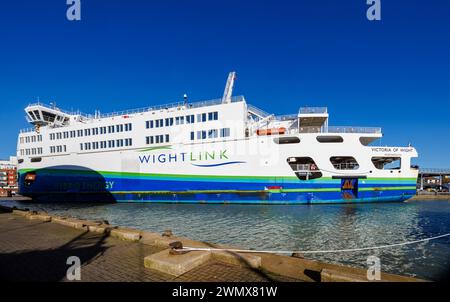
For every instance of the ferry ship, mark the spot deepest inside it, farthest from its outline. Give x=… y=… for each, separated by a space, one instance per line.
x=218 y=151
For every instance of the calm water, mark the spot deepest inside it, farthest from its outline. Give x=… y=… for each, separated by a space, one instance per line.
x=317 y=227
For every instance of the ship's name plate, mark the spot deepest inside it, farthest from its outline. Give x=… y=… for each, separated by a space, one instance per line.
x=392 y=149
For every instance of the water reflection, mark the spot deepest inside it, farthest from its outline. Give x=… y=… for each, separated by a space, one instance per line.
x=317 y=227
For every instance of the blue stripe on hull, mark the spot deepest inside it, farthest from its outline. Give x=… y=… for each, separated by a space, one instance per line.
x=94 y=188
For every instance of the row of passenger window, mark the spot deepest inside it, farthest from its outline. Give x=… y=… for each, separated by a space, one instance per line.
x=31 y=139
x=181 y=120
x=212 y=133
x=126 y=142
x=157 y=139
x=58 y=149
x=31 y=151
x=92 y=131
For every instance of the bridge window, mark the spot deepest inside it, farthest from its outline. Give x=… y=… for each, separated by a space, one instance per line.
x=329 y=139
x=304 y=168
x=286 y=140
x=344 y=163
x=387 y=163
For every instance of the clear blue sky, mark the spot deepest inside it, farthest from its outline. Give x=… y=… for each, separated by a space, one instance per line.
x=394 y=73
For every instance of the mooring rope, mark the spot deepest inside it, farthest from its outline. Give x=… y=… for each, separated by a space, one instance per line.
x=312 y=252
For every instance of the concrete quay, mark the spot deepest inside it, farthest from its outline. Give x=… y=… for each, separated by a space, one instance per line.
x=34 y=246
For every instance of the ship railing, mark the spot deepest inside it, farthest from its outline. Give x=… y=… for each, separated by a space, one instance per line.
x=313 y=110
x=27 y=130
x=304 y=167
x=348 y=129
x=346 y=166
x=53 y=107
x=434 y=171
x=340 y=129
x=286 y=117
x=184 y=105
x=257 y=111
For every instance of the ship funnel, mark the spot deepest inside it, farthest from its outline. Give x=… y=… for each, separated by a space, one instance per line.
x=226 y=99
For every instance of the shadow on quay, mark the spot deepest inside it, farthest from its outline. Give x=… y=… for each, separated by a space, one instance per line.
x=66 y=183
x=50 y=265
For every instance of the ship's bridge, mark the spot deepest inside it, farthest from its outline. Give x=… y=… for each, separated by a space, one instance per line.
x=40 y=114
x=313 y=119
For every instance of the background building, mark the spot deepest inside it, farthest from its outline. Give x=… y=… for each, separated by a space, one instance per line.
x=8 y=176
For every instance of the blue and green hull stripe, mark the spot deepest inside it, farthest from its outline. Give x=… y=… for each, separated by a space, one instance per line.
x=154 y=187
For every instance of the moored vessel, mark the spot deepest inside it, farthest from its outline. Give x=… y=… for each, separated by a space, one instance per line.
x=222 y=150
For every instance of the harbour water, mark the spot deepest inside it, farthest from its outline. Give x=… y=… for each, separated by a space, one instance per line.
x=318 y=227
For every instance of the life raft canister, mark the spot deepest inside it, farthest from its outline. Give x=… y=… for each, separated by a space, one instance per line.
x=271 y=131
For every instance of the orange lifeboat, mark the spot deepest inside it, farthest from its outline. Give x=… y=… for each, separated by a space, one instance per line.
x=271 y=131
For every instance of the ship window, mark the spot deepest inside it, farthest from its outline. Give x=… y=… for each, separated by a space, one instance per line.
x=167 y=138
x=87 y=132
x=387 y=163
x=169 y=121
x=80 y=133
x=344 y=163
x=119 y=128
x=286 y=140
x=66 y=134
x=365 y=141
x=190 y=119
x=128 y=127
x=201 y=117
x=149 y=140
x=192 y=135
x=329 y=139
x=119 y=142
x=212 y=133
x=110 y=144
x=58 y=135
x=179 y=120
x=304 y=168
x=213 y=116
x=81 y=147
x=110 y=129
x=36 y=159
x=224 y=132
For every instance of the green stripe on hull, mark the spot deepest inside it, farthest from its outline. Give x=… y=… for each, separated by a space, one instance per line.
x=212 y=178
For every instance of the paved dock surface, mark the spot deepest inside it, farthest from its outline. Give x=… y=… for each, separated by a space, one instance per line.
x=32 y=250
